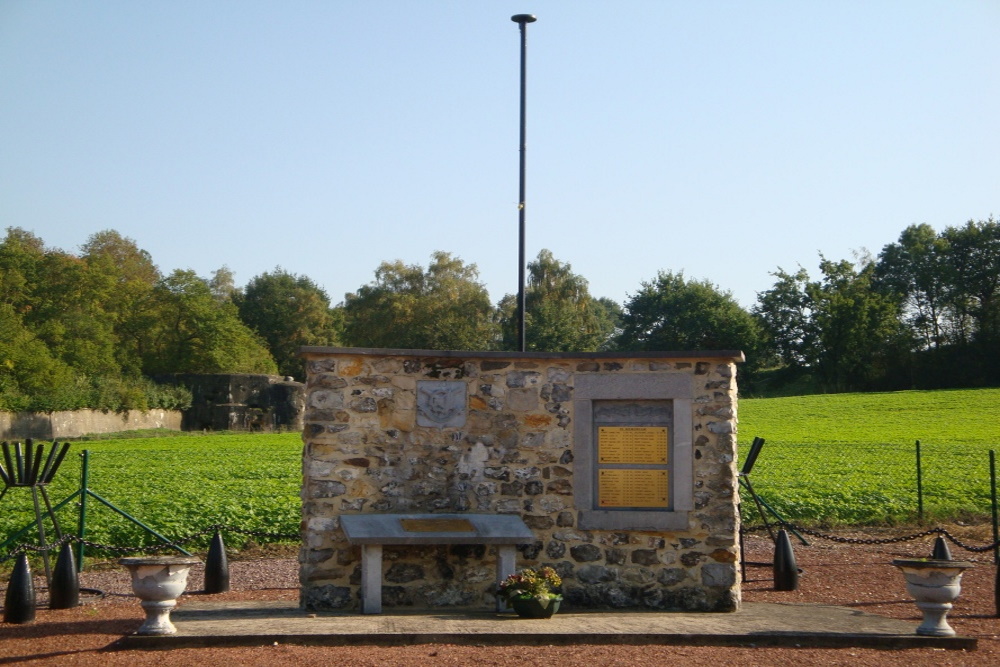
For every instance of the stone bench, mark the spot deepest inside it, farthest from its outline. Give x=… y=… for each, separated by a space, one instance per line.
x=373 y=531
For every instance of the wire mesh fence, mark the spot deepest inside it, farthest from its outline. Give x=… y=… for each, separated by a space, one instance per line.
x=854 y=484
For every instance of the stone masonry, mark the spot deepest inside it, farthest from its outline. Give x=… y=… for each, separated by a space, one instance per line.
x=402 y=431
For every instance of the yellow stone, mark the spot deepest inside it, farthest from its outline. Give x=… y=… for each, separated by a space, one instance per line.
x=350 y=367
x=536 y=421
x=723 y=556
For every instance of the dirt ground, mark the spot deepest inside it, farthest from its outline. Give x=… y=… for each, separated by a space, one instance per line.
x=852 y=575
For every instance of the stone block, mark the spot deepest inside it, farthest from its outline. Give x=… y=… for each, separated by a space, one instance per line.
x=585 y=553
x=522 y=400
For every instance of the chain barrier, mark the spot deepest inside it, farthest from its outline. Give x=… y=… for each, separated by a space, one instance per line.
x=22 y=548
x=873 y=540
x=211 y=530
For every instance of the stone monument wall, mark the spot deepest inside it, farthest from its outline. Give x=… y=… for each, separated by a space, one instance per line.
x=623 y=467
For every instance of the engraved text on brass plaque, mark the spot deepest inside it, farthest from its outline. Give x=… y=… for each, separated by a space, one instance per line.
x=632 y=488
x=632 y=444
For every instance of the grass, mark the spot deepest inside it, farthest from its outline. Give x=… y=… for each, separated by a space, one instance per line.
x=851 y=458
x=177 y=485
x=955 y=417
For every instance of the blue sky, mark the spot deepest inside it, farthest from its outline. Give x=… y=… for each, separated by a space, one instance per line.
x=721 y=139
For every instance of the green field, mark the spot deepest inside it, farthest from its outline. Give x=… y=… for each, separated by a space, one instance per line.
x=829 y=460
x=177 y=485
x=851 y=458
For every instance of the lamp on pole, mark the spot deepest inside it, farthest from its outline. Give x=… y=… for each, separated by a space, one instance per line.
x=522 y=20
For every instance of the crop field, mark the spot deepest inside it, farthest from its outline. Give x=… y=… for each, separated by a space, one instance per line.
x=844 y=459
x=177 y=485
x=852 y=458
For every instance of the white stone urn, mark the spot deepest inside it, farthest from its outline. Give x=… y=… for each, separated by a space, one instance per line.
x=158 y=581
x=934 y=584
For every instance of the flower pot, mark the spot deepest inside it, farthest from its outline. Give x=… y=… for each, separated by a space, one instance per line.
x=536 y=607
x=934 y=585
x=158 y=581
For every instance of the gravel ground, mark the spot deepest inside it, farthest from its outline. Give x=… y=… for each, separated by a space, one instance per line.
x=853 y=575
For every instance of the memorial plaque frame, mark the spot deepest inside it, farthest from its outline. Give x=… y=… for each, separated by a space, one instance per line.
x=589 y=393
x=632 y=440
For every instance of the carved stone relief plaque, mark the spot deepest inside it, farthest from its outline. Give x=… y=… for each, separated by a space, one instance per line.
x=441 y=404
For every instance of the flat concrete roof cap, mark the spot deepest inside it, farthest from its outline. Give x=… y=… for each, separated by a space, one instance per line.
x=316 y=350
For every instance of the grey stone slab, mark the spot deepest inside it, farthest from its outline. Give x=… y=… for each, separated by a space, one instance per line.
x=388 y=529
x=725 y=355
x=756 y=624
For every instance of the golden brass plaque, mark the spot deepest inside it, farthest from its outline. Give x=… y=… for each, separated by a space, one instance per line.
x=632 y=488
x=632 y=444
x=437 y=525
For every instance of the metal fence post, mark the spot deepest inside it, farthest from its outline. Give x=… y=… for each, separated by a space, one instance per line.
x=82 y=524
x=920 y=487
x=993 y=497
x=996 y=531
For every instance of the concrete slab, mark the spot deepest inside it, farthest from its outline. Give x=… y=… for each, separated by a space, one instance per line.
x=384 y=529
x=756 y=624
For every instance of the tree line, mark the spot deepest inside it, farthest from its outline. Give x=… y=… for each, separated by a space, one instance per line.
x=92 y=329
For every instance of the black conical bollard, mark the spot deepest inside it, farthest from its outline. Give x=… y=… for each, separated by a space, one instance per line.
x=786 y=573
x=941 y=550
x=65 y=590
x=217 y=566
x=19 y=603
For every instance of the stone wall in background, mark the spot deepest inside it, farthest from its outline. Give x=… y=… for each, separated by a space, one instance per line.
x=76 y=423
x=417 y=432
x=220 y=402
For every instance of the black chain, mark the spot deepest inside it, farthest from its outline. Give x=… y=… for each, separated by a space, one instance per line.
x=22 y=548
x=862 y=540
x=954 y=540
x=871 y=540
x=256 y=533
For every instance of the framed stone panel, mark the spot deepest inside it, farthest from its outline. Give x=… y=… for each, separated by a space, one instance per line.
x=441 y=403
x=633 y=463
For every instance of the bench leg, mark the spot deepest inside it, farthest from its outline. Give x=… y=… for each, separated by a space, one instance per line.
x=371 y=579
x=506 y=562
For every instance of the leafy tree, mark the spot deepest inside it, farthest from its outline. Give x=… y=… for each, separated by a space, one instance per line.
x=21 y=256
x=560 y=314
x=223 y=284
x=785 y=316
x=287 y=311
x=123 y=258
x=442 y=308
x=30 y=376
x=194 y=333
x=916 y=269
x=60 y=300
x=859 y=330
x=841 y=327
x=69 y=315
x=672 y=313
x=974 y=259
x=609 y=311
x=129 y=304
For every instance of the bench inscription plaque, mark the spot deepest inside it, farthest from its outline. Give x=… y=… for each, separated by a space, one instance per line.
x=437 y=525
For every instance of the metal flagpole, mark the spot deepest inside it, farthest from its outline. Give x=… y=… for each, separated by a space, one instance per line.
x=522 y=20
